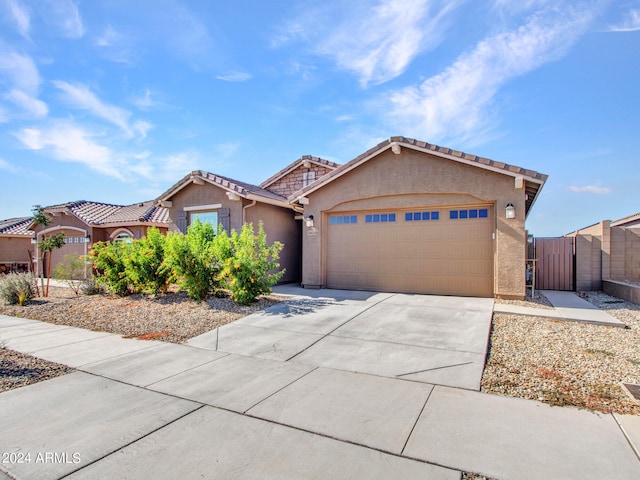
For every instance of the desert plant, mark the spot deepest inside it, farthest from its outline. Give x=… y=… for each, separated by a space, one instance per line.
x=17 y=288
x=196 y=258
x=71 y=270
x=252 y=270
x=47 y=245
x=144 y=265
x=109 y=262
x=90 y=286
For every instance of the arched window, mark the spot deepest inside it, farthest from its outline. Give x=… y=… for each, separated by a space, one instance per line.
x=123 y=238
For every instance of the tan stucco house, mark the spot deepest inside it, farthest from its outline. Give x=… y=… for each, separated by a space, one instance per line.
x=229 y=202
x=15 y=244
x=404 y=216
x=409 y=216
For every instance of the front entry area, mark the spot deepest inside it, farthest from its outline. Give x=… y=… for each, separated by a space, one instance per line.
x=430 y=250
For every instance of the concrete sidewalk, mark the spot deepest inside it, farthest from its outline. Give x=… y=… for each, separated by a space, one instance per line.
x=145 y=409
x=567 y=306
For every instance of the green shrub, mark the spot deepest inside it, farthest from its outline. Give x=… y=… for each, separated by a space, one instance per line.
x=144 y=264
x=17 y=288
x=196 y=258
x=109 y=261
x=251 y=271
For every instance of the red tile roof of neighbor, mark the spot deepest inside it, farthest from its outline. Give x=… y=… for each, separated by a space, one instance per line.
x=102 y=214
x=16 y=226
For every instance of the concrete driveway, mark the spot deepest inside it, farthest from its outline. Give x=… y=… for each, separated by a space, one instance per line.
x=313 y=388
x=431 y=339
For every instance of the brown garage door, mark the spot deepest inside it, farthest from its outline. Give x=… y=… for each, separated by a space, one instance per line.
x=444 y=251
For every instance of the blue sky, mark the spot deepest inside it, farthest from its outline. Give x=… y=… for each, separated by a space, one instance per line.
x=115 y=100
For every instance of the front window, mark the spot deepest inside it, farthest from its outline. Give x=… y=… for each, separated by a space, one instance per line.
x=205 y=217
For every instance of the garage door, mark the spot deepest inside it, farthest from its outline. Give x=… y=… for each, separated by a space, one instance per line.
x=443 y=251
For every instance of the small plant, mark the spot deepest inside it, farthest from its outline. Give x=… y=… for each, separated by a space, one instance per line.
x=71 y=270
x=17 y=288
x=90 y=286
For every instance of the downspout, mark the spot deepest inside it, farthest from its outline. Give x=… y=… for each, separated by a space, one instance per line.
x=244 y=216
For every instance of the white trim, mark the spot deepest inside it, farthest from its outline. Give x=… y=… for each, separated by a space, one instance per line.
x=120 y=231
x=195 y=208
x=62 y=227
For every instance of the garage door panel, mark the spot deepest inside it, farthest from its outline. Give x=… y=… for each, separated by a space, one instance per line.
x=444 y=256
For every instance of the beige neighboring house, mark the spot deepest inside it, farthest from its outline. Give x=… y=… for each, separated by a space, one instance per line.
x=84 y=223
x=608 y=253
x=409 y=216
x=15 y=244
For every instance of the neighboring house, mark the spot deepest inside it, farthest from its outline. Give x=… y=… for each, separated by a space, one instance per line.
x=15 y=244
x=404 y=216
x=84 y=223
x=409 y=216
x=607 y=251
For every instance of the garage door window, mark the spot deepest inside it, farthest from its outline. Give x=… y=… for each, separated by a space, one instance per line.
x=380 y=218
x=342 y=219
x=421 y=216
x=471 y=213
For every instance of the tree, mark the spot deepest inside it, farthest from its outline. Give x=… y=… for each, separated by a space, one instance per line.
x=46 y=245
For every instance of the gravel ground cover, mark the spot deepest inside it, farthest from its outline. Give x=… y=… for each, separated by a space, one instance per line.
x=567 y=363
x=18 y=369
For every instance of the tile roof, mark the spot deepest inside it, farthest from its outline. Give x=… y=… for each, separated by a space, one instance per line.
x=16 y=226
x=100 y=214
x=535 y=183
x=293 y=165
x=241 y=188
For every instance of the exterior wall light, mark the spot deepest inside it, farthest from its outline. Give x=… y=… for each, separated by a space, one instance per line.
x=309 y=221
x=510 y=211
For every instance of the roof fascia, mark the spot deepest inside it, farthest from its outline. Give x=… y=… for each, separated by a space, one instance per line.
x=391 y=145
x=287 y=170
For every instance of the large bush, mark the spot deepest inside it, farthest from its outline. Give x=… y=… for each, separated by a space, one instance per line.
x=144 y=264
x=109 y=263
x=251 y=271
x=197 y=258
x=17 y=288
x=204 y=261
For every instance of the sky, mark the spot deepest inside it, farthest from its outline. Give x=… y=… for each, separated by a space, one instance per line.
x=115 y=101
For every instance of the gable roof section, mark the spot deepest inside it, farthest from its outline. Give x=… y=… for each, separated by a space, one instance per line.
x=242 y=189
x=16 y=227
x=533 y=180
x=105 y=214
x=295 y=164
x=633 y=219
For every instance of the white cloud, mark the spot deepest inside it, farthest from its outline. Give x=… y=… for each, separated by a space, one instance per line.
x=79 y=96
x=68 y=142
x=595 y=189
x=142 y=127
x=234 y=77
x=20 y=15
x=32 y=106
x=457 y=103
x=630 y=24
x=65 y=16
x=8 y=167
x=20 y=71
x=377 y=42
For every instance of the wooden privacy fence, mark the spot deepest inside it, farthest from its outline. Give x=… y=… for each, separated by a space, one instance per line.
x=555 y=259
